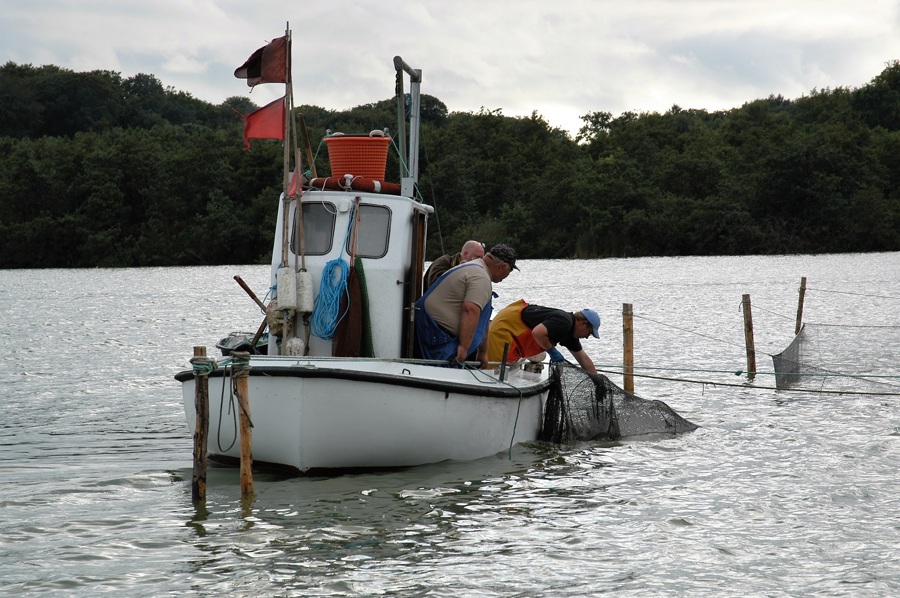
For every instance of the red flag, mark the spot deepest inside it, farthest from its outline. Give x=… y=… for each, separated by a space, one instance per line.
x=265 y=123
x=266 y=65
x=292 y=187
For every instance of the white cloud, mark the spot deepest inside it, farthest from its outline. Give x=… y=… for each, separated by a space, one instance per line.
x=562 y=59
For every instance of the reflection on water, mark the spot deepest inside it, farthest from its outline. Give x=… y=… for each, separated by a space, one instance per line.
x=775 y=494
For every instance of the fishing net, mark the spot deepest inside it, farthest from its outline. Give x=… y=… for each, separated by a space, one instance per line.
x=789 y=363
x=353 y=335
x=582 y=407
x=818 y=360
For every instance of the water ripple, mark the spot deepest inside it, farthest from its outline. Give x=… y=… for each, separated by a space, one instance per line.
x=776 y=494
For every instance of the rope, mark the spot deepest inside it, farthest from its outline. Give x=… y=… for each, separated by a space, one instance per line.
x=240 y=368
x=689 y=331
x=228 y=364
x=853 y=325
x=318 y=149
x=758 y=372
x=473 y=368
x=326 y=316
x=203 y=366
x=756 y=307
x=402 y=159
x=850 y=293
x=240 y=364
x=753 y=386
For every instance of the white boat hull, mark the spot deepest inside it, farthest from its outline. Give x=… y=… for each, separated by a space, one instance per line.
x=325 y=414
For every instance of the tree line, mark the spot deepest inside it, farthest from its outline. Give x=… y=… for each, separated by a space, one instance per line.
x=101 y=170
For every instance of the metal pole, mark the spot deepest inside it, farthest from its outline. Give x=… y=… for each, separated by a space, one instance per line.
x=503 y=362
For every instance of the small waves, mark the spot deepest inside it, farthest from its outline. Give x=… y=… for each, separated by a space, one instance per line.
x=775 y=494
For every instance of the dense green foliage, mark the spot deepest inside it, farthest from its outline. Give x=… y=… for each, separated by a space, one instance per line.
x=97 y=170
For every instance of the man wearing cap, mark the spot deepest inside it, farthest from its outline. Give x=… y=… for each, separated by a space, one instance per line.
x=531 y=329
x=453 y=315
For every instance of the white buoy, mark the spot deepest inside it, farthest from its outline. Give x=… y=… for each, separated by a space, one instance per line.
x=287 y=289
x=295 y=347
x=305 y=302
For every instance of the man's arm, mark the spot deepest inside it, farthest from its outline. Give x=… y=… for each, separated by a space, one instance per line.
x=542 y=337
x=482 y=354
x=468 y=322
x=585 y=362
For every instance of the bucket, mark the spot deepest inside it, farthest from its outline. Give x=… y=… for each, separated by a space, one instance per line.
x=359 y=155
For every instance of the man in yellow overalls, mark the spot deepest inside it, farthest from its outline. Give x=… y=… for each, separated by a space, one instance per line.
x=531 y=329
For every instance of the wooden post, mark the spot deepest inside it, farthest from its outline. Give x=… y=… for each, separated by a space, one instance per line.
x=748 y=337
x=628 y=347
x=800 y=305
x=202 y=367
x=241 y=369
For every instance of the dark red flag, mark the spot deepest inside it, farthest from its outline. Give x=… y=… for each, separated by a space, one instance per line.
x=266 y=65
x=265 y=123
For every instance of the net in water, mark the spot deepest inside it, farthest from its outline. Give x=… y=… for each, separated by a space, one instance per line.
x=831 y=358
x=585 y=407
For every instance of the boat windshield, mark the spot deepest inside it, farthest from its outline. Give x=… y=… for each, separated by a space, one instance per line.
x=319 y=221
x=318 y=227
x=374 y=232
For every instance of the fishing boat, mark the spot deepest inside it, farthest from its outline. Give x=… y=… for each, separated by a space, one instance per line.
x=340 y=387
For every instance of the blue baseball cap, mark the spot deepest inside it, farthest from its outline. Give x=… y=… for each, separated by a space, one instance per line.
x=594 y=319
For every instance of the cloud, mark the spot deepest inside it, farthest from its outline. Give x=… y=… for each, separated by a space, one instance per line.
x=562 y=59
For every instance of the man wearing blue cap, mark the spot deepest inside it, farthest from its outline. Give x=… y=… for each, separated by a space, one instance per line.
x=532 y=329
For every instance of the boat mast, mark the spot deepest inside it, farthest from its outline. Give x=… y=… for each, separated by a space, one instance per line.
x=409 y=179
x=287 y=149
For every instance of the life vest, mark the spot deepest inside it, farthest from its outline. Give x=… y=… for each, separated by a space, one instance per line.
x=508 y=328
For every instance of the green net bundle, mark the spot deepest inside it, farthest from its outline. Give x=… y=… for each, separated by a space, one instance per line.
x=583 y=407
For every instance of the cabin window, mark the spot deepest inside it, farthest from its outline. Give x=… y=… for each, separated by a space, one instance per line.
x=318 y=225
x=374 y=231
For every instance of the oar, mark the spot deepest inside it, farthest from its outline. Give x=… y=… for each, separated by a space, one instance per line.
x=250 y=292
x=259 y=331
x=262 y=327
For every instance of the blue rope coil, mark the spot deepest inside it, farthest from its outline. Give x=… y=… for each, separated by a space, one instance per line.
x=325 y=317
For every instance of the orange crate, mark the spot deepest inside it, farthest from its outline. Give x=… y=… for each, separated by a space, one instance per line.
x=359 y=155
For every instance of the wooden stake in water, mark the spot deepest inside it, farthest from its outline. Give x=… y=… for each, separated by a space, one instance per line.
x=748 y=337
x=202 y=367
x=628 y=347
x=241 y=369
x=800 y=305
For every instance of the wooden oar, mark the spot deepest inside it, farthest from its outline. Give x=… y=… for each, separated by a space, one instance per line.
x=250 y=292
x=259 y=332
x=265 y=322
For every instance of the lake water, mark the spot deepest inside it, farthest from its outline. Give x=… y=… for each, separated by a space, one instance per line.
x=777 y=494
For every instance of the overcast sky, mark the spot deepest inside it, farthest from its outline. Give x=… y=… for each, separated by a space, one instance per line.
x=561 y=58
